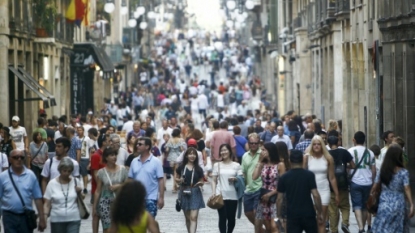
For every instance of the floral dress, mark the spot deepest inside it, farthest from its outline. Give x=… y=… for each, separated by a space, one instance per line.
x=107 y=196
x=392 y=210
x=175 y=149
x=270 y=176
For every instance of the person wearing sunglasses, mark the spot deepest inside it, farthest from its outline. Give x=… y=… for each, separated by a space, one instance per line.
x=14 y=219
x=147 y=169
x=253 y=187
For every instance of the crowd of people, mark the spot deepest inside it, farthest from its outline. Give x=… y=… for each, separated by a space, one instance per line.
x=287 y=173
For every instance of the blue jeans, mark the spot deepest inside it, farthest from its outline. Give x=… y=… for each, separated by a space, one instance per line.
x=15 y=223
x=359 y=195
x=65 y=227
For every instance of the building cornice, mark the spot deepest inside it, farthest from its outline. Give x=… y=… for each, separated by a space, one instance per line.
x=397 y=29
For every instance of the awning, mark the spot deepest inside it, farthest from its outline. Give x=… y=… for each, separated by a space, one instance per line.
x=83 y=51
x=42 y=93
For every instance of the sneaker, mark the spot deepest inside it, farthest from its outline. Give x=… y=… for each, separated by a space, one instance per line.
x=369 y=229
x=345 y=228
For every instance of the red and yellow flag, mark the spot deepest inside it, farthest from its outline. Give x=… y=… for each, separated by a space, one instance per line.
x=76 y=12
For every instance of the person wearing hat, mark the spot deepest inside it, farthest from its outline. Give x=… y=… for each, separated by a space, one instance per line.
x=19 y=135
x=192 y=143
x=298 y=184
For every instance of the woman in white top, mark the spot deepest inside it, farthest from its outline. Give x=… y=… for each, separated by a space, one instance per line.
x=60 y=200
x=320 y=162
x=220 y=100
x=223 y=179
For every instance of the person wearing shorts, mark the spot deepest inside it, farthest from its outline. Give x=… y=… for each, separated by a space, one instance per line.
x=362 y=178
x=253 y=187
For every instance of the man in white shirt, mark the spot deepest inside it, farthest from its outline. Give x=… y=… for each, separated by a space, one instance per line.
x=60 y=131
x=122 y=155
x=281 y=137
x=86 y=143
x=50 y=169
x=203 y=104
x=163 y=130
x=128 y=125
x=242 y=109
x=19 y=135
x=362 y=178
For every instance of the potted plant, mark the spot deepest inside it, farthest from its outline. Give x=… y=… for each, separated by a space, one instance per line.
x=45 y=15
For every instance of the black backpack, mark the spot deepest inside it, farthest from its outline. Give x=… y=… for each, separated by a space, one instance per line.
x=340 y=171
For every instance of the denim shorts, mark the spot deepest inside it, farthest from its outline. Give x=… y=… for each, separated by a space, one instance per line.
x=359 y=195
x=251 y=201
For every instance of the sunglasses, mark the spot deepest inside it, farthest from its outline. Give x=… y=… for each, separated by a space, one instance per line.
x=18 y=157
x=254 y=143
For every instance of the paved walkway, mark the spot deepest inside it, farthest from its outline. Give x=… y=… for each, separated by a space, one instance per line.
x=174 y=222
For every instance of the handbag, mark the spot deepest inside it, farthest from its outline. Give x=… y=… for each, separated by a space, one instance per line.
x=372 y=203
x=215 y=201
x=272 y=199
x=31 y=216
x=83 y=209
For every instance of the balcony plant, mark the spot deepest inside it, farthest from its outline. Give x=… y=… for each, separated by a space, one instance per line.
x=45 y=16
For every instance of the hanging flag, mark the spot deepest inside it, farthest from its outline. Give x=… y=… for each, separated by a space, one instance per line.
x=86 y=17
x=75 y=12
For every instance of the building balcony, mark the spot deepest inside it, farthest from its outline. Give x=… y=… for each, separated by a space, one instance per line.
x=342 y=8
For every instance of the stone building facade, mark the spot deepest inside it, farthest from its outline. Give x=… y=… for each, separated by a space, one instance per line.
x=352 y=57
x=34 y=68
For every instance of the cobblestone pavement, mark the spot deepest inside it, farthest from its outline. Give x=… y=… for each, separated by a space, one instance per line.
x=171 y=221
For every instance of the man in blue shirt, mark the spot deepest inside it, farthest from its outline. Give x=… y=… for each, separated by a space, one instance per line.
x=14 y=218
x=149 y=171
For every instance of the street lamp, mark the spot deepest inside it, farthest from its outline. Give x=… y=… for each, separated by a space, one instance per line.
x=249 y=4
x=231 y=4
x=143 y=25
x=132 y=22
x=109 y=6
x=141 y=10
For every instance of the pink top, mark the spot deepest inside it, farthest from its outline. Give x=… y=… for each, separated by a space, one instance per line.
x=220 y=137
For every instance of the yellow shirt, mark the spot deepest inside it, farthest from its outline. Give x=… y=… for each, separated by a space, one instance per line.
x=139 y=228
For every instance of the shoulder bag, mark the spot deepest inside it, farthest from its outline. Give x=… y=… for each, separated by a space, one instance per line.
x=82 y=208
x=372 y=203
x=358 y=164
x=37 y=153
x=31 y=216
x=216 y=201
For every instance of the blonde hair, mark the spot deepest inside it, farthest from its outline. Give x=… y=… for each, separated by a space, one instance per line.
x=333 y=125
x=253 y=135
x=324 y=150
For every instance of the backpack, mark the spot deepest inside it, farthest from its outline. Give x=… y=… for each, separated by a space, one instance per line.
x=340 y=172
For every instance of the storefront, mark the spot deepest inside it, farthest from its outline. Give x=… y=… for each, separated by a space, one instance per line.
x=91 y=74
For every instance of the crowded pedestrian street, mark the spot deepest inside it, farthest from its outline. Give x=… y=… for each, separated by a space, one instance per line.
x=222 y=116
x=172 y=222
